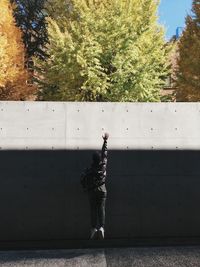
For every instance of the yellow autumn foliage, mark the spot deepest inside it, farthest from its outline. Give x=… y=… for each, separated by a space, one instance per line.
x=13 y=75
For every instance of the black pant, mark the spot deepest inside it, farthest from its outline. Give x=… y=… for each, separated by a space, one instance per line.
x=97 y=201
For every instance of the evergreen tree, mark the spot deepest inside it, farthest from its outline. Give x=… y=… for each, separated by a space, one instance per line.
x=104 y=50
x=13 y=76
x=188 y=70
x=31 y=18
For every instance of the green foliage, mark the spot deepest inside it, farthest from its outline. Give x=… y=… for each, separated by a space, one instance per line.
x=188 y=71
x=104 y=50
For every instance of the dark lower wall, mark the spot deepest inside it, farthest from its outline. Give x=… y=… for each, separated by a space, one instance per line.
x=150 y=194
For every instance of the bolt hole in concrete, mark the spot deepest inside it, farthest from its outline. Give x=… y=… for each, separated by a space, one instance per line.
x=52 y=128
x=53 y=110
x=2 y=109
x=151 y=129
x=102 y=110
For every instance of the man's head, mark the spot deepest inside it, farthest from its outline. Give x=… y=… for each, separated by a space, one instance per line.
x=96 y=157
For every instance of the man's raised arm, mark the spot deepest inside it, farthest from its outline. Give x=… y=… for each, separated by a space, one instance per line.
x=104 y=151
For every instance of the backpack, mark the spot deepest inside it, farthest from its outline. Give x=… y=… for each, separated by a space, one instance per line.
x=86 y=179
x=91 y=180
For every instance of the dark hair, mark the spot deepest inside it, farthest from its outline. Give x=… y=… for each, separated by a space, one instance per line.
x=96 y=157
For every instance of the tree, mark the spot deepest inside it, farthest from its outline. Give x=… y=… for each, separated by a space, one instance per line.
x=188 y=70
x=31 y=18
x=104 y=50
x=13 y=76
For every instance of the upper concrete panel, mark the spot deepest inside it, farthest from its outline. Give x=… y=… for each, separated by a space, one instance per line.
x=32 y=125
x=74 y=125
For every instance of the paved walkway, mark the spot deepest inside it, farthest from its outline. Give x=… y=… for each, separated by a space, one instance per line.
x=110 y=257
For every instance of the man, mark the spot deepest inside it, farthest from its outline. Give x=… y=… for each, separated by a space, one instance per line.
x=93 y=181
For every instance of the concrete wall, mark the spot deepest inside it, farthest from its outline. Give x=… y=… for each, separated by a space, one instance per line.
x=53 y=125
x=153 y=170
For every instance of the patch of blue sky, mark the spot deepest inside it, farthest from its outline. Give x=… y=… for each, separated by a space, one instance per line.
x=172 y=14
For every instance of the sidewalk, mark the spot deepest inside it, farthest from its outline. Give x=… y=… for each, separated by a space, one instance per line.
x=109 y=257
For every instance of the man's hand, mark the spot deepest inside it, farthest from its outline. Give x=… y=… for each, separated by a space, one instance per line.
x=105 y=136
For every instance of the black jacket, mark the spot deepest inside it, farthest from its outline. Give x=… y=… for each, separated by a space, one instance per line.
x=93 y=178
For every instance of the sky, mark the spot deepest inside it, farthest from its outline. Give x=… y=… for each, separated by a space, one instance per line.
x=172 y=14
